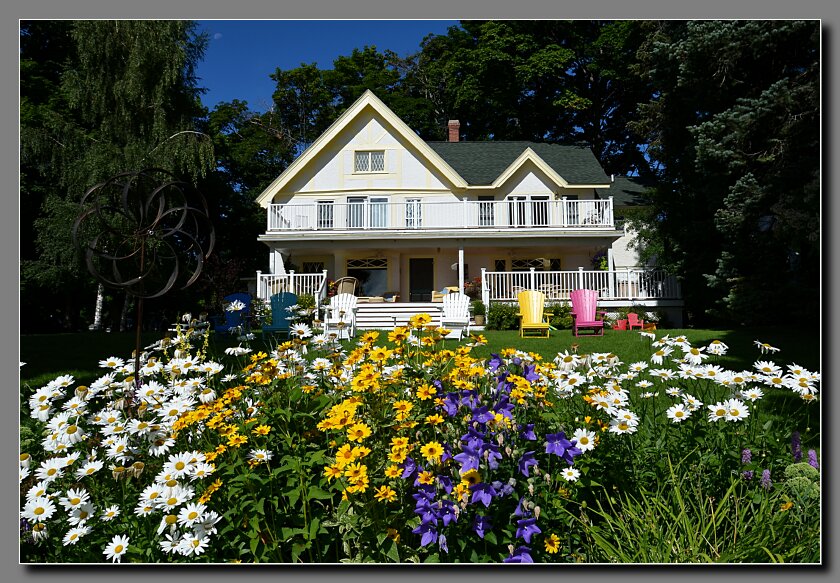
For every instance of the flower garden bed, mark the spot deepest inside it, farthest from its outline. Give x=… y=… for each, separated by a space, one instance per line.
x=415 y=450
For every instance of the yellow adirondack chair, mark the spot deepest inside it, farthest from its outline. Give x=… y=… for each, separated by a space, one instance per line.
x=532 y=313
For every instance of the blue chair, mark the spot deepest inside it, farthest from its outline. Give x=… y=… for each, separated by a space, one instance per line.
x=233 y=319
x=279 y=314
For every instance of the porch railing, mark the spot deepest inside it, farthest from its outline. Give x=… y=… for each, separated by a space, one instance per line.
x=617 y=284
x=372 y=213
x=314 y=284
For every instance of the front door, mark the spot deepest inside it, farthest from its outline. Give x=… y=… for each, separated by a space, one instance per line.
x=421 y=279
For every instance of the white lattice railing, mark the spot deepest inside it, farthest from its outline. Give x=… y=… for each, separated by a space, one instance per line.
x=382 y=214
x=619 y=284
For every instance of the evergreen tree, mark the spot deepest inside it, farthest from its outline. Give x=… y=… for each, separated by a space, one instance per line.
x=99 y=98
x=734 y=128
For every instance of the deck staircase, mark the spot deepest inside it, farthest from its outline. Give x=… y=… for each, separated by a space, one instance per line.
x=386 y=315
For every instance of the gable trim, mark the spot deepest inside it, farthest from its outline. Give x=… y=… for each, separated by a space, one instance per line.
x=368 y=99
x=528 y=155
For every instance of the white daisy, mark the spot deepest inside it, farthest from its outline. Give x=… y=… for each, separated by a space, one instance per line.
x=717 y=348
x=110 y=513
x=570 y=474
x=74 y=498
x=116 y=548
x=718 y=411
x=191 y=514
x=89 y=468
x=621 y=426
x=38 y=509
x=112 y=362
x=678 y=413
x=585 y=439
x=764 y=347
x=78 y=516
x=736 y=410
x=193 y=545
x=75 y=534
x=260 y=455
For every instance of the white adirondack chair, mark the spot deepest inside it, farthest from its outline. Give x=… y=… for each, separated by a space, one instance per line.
x=456 y=314
x=340 y=316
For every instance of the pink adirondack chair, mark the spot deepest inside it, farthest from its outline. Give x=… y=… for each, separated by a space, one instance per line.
x=584 y=313
x=633 y=321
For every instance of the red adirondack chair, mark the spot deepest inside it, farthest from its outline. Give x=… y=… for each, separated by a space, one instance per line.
x=584 y=313
x=633 y=321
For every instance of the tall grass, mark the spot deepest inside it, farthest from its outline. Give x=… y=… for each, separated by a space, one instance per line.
x=681 y=522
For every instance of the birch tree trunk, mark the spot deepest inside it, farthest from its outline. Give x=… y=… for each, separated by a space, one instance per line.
x=97 y=312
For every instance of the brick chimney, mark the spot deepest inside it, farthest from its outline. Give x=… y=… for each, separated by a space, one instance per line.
x=454 y=130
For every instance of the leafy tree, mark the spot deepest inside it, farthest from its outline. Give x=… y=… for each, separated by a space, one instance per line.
x=98 y=98
x=734 y=128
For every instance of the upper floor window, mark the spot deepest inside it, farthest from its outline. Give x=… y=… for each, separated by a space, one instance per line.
x=369 y=161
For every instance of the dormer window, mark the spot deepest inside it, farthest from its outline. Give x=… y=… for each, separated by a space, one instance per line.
x=369 y=161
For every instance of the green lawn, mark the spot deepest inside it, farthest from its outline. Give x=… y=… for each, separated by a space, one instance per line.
x=49 y=355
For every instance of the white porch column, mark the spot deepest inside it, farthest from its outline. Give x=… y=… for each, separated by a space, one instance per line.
x=611 y=272
x=485 y=288
x=580 y=277
x=461 y=268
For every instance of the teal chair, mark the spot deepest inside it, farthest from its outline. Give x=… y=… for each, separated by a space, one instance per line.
x=279 y=314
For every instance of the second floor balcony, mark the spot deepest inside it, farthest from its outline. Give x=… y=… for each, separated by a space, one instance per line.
x=372 y=213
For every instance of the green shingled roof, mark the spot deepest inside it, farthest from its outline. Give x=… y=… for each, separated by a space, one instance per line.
x=480 y=163
x=627 y=191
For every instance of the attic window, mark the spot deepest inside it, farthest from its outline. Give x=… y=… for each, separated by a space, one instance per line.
x=369 y=161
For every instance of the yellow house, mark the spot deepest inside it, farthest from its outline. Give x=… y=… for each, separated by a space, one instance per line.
x=409 y=218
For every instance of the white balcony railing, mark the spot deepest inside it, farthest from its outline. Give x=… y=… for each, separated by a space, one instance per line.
x=372 y=213
x=619 y=284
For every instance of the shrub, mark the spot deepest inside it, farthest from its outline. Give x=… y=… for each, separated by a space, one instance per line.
x=503 y=316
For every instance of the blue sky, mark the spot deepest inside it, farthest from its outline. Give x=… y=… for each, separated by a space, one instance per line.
x=242 y=54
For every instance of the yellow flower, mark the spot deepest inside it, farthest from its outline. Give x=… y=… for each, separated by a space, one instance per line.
x=398 y=454
x=552 y=544
x=426 y=478
x=399 y=335
x=261 y=430
x=432 y=451
x=399 y=442
x=358 y=432
x=360 y=451
x=471 y=477
x=344 y=456
x=393 y=535
x=435 y=419
x=380 y=354
x=786 y=506
x=393 y=471
x=419 y=320
x=426 y=391
x=332 y=472
x=403 y=407
x=355 y=472
x=385 y=494
x=237 y=440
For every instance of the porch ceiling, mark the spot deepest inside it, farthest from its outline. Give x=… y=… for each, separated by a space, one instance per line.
x=483 y=238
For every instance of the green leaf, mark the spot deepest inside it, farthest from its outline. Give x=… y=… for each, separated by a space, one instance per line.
x=313 y=528
x=316 y=493
x=391 y=551
x=490 y=537
x=292 y=495
x=434 y=558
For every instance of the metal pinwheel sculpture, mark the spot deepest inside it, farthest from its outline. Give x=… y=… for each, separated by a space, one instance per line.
x=144 y=232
